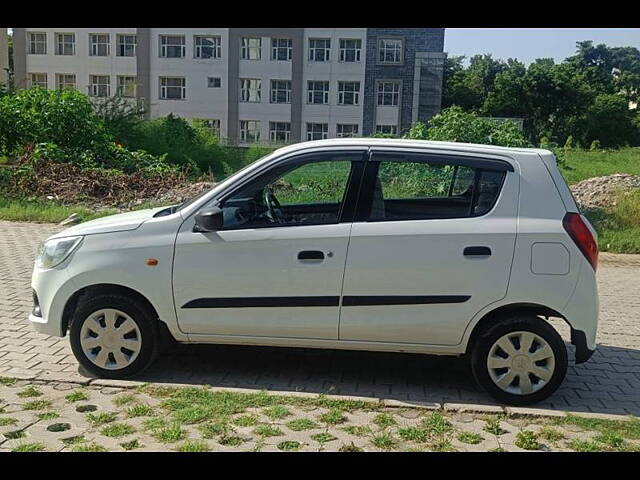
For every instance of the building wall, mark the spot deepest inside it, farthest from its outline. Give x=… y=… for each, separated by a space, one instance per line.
x=420 y=73
x=4 y=56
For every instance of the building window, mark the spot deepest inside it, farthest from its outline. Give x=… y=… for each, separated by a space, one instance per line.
x=251 y=48
x=279 y=132
x=126 y=45
x=126 y=86
x=207 y=46
x=390 y=50
x=99 y=44
x=65 y=81
x=173 y=88
x=318 y=92
x=387 y=129
x=38 y=79
x=317 y=131
x=212 y=124
x=172 y=46
x=388 y=93
x=348 y=93
x=249 y=131
x=99 y=85
x=37 y=43
x=319 y=49
x=350 y=50
x=250 y=89
x=65 y=43
x=280 y=91
x=346 y=130
x=213 y=82
x=281 y=49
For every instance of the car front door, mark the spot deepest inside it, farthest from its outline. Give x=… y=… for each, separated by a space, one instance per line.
x=275 y=269
x=431 y=244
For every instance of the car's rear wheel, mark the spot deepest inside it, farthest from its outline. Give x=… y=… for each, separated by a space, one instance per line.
x=114 y=336
x=520 y=360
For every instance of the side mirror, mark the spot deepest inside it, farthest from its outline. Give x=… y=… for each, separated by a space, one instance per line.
x=209 y=220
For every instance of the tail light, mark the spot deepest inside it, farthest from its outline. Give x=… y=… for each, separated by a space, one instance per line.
x=582 y=236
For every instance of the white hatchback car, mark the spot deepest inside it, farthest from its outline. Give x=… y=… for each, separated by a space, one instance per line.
x=364 y=244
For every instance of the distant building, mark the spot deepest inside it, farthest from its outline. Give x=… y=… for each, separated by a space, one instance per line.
x=278 y=85
x=4 y=56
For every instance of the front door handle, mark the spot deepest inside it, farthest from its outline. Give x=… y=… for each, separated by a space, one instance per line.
x=311 y=255
x=477 y=252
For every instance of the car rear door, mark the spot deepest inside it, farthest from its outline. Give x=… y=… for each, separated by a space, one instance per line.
x=431 y=244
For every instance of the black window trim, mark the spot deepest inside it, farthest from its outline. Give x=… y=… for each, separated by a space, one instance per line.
x=349 y=200
x=365 y=197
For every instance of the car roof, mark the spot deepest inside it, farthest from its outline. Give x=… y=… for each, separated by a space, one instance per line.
x=402 y=142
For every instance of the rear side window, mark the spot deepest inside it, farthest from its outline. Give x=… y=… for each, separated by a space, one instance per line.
x=420 y=190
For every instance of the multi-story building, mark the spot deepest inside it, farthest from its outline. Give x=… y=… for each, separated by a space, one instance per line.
x=277 y=85
x=4 y=56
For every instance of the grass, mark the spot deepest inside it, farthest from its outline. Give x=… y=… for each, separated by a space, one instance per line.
x=323 y=437
x=527 y=440
x=124 y=399
x=302 y=424
x=618 y=226
x=29 y=392
x=265 y=430
x=48 y=415
x=413 y=434
x=193 y=446
x=582 y=164
x=384 y=420
x=357 y=430
x=170 y=434
x=101 y=418
x=626 y=429
x=131 y=445
x=7 y=381
x=470 y=438
x=117 y=430
x=211 y=429
x=231 y=440
x=289 y=445
x=88 y=447
x=15 y=435
x=37 y=405
x=384 y=440
x=23 y=210
x=551 y=434
x=140 y=410
x=276 y=412
x=5 y=421
x=29 y=447
x=333 y=417
x=436 y=424
x=69 y=441
x=350 y=448
x=77 y=396
x=492 y=425
x=246 y=421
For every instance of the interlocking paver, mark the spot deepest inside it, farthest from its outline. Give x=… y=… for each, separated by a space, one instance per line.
x=609 y=382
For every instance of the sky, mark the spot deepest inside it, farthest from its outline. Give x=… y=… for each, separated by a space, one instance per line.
x=527 y=44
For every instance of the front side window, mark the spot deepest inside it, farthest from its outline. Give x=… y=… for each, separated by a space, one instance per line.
x=418 y=190
x=279 y=132
x=99 y=44
x=317 y=92
x=319 y=49
x=390 y=50
x=346 y=130
x=172 y=88
x=250 y=90
x=38 y=79
x=65 y=43
x=126 y=86
x=37 y=43
x=126 y=45
x=280 y=91
x=317 y=131
x=99 y=85
x=172 y=46
x=207 y=47
x=249 y=131
x=281 y=49
x=388 y=93
x=308 y=192
x=350 y=50
x=348 y=93
x=65 y=81
x=251 y=48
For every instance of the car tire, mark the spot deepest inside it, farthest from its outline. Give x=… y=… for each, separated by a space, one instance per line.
x=130 y=340
x=512 y=373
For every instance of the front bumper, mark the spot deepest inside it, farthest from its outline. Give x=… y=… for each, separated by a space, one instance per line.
x=53 y=289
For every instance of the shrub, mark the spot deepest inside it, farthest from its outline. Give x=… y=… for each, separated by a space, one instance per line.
x=595 y=145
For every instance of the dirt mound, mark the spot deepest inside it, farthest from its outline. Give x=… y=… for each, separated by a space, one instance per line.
x=600 y=192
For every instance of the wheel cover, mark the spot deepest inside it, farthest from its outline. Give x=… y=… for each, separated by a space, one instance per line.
x=521 y=363
x=110 y=339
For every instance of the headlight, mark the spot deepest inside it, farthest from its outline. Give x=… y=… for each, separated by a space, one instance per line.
x=53 y=252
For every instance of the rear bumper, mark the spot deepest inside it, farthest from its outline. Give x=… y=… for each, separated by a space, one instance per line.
x=579 y=340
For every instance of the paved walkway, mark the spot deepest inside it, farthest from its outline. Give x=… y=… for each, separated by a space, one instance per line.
x=608 y=383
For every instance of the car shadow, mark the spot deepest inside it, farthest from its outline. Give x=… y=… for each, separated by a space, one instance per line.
x=604 y=384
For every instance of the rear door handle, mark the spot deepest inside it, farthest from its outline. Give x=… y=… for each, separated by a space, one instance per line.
x=477 y=252
x=311 y=255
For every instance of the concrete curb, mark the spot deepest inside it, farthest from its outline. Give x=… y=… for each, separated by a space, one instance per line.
x=513 y=412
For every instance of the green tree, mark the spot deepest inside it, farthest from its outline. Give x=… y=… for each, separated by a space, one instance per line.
x=610 y=121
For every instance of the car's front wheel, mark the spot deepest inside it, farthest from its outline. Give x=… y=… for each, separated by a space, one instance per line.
x=520 y=360
x=114 y=336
